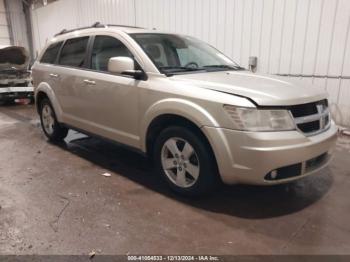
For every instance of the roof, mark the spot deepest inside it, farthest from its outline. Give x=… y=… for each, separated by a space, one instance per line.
x=100 y=28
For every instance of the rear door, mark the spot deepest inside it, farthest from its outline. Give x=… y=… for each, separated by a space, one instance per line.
x=71 y=61
x=45 y=71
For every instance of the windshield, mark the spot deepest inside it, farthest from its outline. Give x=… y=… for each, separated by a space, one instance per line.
x=175 y=54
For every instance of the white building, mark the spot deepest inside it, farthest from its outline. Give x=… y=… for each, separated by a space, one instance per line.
x=308 y=39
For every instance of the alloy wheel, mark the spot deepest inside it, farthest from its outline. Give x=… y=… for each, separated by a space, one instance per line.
x=48 y=119
x=180 y=162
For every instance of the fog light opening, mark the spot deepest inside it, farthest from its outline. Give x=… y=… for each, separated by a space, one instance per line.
x=273 y=174
x=284 y=172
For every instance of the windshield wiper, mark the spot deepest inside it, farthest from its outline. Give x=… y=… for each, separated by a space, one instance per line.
x=171 y=70
x=179 y=68
x=224 y=67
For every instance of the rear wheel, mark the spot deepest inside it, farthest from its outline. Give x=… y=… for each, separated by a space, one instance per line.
x=52 y=129
x=185 y=161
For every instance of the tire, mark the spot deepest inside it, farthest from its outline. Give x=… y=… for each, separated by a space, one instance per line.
x=186 y=162
x=52 y=129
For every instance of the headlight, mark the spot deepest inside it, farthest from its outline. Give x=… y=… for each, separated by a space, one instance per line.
x=252 y=119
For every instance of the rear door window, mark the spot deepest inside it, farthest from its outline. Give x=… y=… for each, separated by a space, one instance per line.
x=73 y=52
x=50 y=55
x=104 y=48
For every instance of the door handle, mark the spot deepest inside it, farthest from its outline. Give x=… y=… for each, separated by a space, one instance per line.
x=54 y=75
x=89 y=82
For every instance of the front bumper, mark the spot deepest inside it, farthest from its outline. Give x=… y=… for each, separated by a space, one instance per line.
x=11 y=93
x=15 y=81
x=249 y=157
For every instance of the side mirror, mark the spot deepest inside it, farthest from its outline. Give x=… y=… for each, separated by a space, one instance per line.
x=124 y=65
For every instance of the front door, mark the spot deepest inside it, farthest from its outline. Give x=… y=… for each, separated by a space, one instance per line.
x=108 y=102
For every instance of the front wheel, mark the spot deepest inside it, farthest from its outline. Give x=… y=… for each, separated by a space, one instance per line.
x=185 y=161
x=52 y=129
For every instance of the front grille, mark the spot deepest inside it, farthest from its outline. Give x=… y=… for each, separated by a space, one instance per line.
x=304 y=109
x=21 y=84
x=25 y=84
x=309 y=126
x=311 y=118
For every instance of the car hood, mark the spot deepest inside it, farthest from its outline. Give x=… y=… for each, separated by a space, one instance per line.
x=264 y=90
x=14 y=57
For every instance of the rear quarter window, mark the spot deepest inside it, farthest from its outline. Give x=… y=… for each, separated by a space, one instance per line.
x=50 y=55
x=73 y=52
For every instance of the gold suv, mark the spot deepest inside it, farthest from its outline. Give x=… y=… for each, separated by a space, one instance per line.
x=201 y=117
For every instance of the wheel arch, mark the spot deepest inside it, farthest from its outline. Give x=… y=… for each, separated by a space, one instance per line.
x=163 y=121
x=180 y=110
x=39 y=97
x=45 y=91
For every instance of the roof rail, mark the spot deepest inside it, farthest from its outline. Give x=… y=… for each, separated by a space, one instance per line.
x=95 y=25
x=98 y=24
x=128 y=26
x=61 y=32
